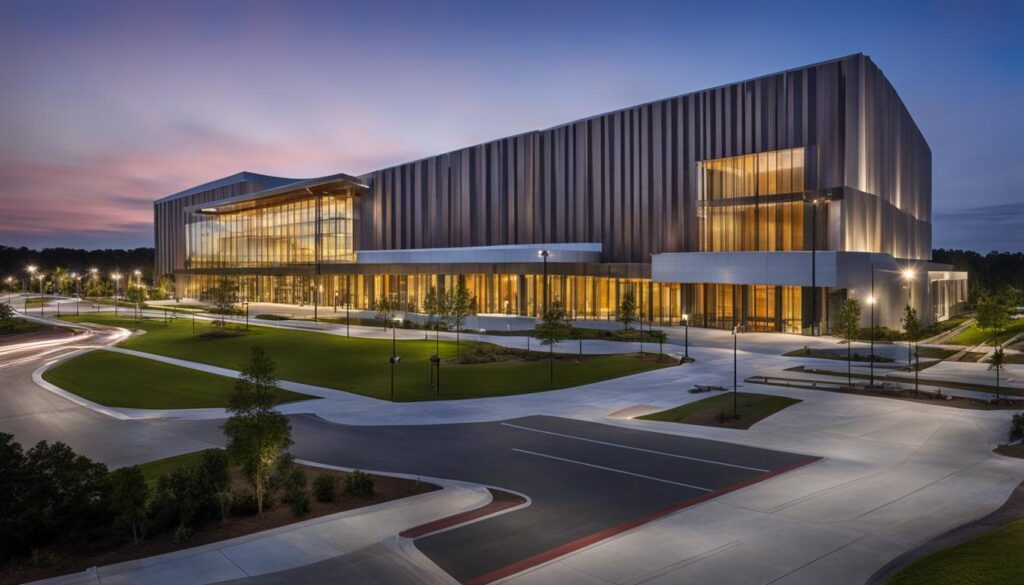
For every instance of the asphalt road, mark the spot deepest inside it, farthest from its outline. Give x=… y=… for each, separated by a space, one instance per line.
x=33 y=414
x=583 y=479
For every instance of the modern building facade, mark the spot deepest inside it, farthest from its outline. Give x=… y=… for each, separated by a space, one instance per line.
x=762 y=204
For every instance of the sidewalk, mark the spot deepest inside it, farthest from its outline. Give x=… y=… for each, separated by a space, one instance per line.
x=298 y=544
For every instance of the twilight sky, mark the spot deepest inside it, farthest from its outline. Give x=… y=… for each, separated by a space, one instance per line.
x=108 y=105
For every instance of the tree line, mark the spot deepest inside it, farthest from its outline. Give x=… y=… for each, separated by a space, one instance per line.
x=14 y=260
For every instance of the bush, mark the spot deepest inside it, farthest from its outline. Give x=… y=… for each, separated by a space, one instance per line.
x=325 y=488
x=129 y=494
x=182 y=500
x=359 y=484
x=299 y=502
x=1017 y=428
x=61 y=494
x=243 y=504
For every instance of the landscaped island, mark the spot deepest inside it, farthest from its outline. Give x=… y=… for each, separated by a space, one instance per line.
x=468 y=370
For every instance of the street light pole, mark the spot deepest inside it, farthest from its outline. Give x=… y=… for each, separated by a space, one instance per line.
x=42 y=295
x=117 y=289
x=735 y=399
x=814 y=267
x=871 y=301
x=544 y=254
x=686 y=337
x=246 y=303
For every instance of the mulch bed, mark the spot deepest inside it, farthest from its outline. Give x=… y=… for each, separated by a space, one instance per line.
x=71 y=557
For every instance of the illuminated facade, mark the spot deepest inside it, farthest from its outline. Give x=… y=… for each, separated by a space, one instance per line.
x=761 y=204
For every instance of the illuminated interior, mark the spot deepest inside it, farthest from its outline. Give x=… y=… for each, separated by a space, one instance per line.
x=287 y=233
x=752 y=203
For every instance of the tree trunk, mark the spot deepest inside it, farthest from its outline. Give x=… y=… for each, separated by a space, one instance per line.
x=551 y=363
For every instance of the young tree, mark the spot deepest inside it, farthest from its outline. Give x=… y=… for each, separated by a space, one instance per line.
x=997 y=362
x=993 y=315
x=459 y=305
x=659 y=337
x=912 y=329
x=847 y=328
x=223 y=296
x=257 y=433
x=385 y=311
x=431 y=305
x=627 y=309
x=552 y=329
x=215 y=475
x=129 y=494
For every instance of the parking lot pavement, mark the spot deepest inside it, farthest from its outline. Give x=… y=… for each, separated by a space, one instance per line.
x=586 y=481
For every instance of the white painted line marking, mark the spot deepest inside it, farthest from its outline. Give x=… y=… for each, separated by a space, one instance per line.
x=612 y=469
x=676 y=455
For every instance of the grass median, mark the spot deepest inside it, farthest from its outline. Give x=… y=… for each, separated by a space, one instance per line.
x=125 y=381
x=362 y=365
x=991 y=559
x=716 y=411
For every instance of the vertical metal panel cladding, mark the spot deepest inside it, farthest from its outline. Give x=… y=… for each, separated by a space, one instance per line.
x=627 y=179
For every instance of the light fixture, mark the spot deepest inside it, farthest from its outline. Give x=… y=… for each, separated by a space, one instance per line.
x=908 y=273
x=871 y=300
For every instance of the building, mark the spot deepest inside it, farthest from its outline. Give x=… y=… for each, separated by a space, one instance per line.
x=762 y=203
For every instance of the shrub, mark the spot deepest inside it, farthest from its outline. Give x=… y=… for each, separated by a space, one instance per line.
x=243 y=504
x=128 y=496
x=215 y=475
x=1017 y=428
x=61 y=494
x=299 y=502
x=182 y=500
x=359 y=484
x=325 y=488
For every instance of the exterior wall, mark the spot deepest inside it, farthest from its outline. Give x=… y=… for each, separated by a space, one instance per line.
x=169 y=214
x=627 y=179
x=888 y=157
x=628 y=183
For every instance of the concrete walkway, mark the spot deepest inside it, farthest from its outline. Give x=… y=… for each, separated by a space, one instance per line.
x=299 y=544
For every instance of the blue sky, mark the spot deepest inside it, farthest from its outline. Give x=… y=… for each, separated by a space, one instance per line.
x=109 y=105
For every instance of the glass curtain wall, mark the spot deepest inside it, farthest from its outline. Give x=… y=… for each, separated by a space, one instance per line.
x=752 y=202
x=283 y=234
x=584 y=297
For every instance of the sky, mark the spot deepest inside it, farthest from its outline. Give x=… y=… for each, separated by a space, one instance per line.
x=107 y=105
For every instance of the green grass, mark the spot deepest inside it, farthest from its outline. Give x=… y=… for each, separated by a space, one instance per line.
x=361 y=365
x=991 y=559
x=751 y=407
x=835 y=354
x=938 y=353
x=154 y=469
x=125 y=381
x=973 y=335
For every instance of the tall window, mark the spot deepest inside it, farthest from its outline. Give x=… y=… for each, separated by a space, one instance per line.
x=752 y=202
x=280 y=234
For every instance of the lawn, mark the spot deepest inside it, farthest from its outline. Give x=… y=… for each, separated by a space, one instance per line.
x=125 y=381
x=708 y=412
x=991 y=559
x=362 y=365
x=154 y=469
x=835 y=354
x=973 y=335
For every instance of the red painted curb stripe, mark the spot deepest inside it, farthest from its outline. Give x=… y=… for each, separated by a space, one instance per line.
x=500 y=500
x=554 y=553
